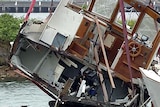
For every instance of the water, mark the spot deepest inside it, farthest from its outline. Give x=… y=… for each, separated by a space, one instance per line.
x=16 y=94
x=42 y=16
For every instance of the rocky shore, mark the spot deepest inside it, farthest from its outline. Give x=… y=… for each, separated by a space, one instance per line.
x=6 y=73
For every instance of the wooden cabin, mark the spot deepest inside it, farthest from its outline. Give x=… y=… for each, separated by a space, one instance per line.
x=143 y=35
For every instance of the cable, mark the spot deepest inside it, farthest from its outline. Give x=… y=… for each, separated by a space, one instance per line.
x=30 y=10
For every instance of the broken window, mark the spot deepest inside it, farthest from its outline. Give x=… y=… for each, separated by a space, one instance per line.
x=131 y=16
x=149 y=28
x=105 y=7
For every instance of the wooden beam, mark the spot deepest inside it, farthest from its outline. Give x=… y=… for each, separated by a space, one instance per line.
x=114 y=14
x=100 y=75
x=138 y=22
x=91 y=5
x=156 y=43
x=155 y=15
x=104 y=53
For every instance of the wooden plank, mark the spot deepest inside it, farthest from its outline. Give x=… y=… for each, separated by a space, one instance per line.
x=156 y=43
x=78 y=49
x=101 y=76
x=132 y=66
x=91 y=5
x=83 y=28
x=67 y=86
x=104 y=54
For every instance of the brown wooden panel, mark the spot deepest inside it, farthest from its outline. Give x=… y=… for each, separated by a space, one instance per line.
x=86 y=42
x=67 y=86
x=83 y=28
x=78 y=49
x=139 y=61
x=112 y=52
x=122 y=69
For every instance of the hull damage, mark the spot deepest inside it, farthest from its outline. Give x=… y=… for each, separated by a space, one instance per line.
x=85 y=55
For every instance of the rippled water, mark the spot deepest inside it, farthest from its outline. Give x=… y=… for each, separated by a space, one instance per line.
x=17 y=94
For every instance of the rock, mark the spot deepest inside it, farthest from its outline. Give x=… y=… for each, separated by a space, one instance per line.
x=4 y=52
x=6 y=74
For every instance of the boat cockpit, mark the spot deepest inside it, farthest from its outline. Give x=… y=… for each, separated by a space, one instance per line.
x=93 y=38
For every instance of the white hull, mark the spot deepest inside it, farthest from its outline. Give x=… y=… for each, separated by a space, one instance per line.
x=152 y=82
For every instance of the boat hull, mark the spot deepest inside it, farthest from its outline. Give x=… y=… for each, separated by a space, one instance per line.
x=152 y=82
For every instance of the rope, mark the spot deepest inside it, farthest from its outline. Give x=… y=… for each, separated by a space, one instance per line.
x=126 y=41
x=30 y=10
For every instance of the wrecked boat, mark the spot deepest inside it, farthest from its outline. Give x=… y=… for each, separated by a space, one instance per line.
x=89 y=54
x=152 y=82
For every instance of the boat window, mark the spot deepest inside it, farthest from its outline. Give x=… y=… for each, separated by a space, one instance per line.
x=148 y=28
x=104 y=7
x=81 y=3
x=131 y=17
x=59 y=40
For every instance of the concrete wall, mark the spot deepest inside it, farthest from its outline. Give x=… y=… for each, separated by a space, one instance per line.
x=22 y=6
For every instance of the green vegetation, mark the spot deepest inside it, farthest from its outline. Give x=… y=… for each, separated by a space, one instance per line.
x=9 y=27
x=130 y=23
x=84 y=6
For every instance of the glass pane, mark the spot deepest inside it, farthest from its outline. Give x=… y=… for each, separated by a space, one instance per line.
x=131 y=17
x=81 y=3
x=105 y=7
x=148 y=28
x=59 y=40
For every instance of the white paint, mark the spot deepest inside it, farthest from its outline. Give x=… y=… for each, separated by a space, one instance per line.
x=81 y=88
x=152 y=82
x=64 y=21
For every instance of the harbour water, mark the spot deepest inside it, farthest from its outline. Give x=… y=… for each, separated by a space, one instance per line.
x=38 y=16
x=42 y=16
x=17 y=94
